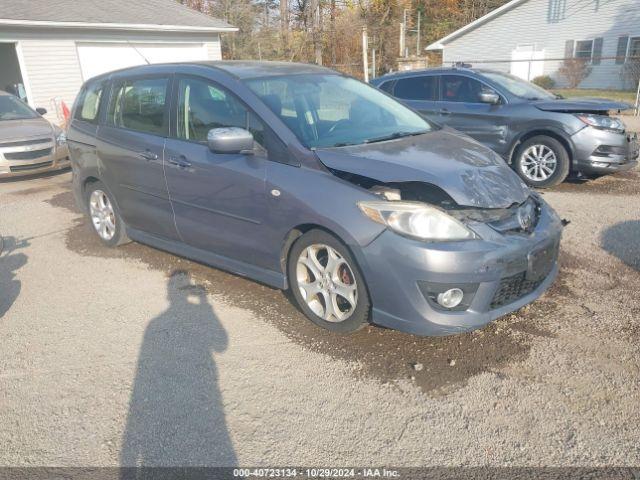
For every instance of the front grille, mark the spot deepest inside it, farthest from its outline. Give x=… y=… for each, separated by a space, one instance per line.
x=33 y=166
x=513 y=288
x=26 y=143
x=30 y=155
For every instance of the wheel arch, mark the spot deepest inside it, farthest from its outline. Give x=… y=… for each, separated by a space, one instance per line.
x=548 y=132
x=299 y=230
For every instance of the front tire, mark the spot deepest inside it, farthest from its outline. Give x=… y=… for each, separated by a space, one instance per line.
x=542 y=162
x=327 y=283
x=104 y=216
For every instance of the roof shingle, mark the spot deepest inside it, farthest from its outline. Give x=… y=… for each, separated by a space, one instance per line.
x=146 y=12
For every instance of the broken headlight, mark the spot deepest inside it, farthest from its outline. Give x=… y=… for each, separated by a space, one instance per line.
x=602 y=121
x=416 y=220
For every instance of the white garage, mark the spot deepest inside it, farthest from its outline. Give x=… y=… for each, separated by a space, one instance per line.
x=47 y=53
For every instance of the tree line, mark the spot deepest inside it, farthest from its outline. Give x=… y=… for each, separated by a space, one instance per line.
x=329 y=32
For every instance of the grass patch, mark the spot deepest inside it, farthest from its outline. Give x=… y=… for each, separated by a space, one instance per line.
x=617 y=95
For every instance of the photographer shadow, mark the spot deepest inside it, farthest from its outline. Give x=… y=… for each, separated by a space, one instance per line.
x=176 y=416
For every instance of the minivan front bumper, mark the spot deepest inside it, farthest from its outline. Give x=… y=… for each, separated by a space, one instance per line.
x=495 y=274
x=600 y=151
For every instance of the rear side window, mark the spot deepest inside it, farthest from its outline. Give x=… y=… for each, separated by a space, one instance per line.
x=140 y=105
x=386 y=87
x=417 y=88
x=89 y=104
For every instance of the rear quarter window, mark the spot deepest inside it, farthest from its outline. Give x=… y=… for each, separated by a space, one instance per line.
x=88 y=108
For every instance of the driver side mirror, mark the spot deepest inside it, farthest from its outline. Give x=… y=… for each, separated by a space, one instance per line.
x=491 y=98
x=230 y=140
x=41 y=111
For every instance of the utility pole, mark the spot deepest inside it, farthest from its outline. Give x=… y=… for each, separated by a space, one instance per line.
x=373 y=60
x=401 y=39
x=405 y=51
x=418 y=30
x=317 y=34
x=365 y=60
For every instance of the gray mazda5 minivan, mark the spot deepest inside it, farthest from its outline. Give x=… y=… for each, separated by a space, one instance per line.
x=302 y=178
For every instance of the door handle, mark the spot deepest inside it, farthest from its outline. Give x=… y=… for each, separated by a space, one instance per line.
x=180 y=161
x=148 y=155
x=444 y=111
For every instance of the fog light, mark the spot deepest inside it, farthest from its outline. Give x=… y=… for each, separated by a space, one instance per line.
x=451 y=298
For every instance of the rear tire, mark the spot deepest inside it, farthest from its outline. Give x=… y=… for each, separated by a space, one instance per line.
x=104 y=215
x=542 y=162
x=327 y=284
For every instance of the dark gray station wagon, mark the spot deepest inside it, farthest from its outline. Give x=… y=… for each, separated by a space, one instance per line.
x=302 y=178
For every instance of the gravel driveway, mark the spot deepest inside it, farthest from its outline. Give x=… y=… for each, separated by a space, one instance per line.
x=132 y=355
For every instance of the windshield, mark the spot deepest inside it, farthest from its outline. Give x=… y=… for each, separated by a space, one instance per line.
x=12 y=108
x=335 y=111
x=518 y=87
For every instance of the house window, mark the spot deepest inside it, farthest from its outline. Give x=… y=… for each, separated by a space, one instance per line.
x=584 y=49
x=634 y=48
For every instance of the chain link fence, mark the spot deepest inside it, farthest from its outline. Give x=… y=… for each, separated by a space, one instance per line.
x=616 y=78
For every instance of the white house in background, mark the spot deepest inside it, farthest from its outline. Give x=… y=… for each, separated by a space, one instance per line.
x=48 y=49
x=531 y=37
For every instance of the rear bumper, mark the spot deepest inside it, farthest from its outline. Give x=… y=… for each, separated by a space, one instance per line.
x=58 y=159
x=493 y=270
x=601 y=151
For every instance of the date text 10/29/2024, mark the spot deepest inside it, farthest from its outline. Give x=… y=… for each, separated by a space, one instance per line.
x=316 y=473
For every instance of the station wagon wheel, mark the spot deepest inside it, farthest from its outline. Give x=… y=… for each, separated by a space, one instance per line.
x=326 y=283
x=539 y=163
x=542 y=161
x=104 y=216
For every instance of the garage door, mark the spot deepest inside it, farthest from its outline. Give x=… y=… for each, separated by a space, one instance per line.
x=98 y=58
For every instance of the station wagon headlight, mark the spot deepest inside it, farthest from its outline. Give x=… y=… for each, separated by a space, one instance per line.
x=602 y=121
x=416 y=220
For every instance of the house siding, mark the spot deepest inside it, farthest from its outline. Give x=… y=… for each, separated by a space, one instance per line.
x=491 y=44
x=51 y=66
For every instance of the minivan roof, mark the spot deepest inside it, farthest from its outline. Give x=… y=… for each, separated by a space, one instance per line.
x=241 y=69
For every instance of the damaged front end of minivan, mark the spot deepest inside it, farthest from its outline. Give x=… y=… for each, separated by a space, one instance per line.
x=465 y=240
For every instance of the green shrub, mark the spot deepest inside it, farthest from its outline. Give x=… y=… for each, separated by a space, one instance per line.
x=544 y=81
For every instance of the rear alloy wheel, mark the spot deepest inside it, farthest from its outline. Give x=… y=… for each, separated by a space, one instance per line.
x=542 y=162
x=327 y=284
x=104 y=216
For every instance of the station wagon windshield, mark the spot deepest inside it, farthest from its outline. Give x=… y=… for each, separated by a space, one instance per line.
x=12 y=108
x=519 y=87
x=334 y=111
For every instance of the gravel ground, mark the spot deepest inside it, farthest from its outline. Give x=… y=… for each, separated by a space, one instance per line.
x=128 y=356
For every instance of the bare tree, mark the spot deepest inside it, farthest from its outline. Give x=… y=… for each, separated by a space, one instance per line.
x=574 y=71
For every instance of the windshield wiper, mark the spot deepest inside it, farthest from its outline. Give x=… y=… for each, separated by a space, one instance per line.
x=394 y=135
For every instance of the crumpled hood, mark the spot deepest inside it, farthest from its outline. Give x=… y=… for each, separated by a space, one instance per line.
x=470 y=173
x=18 y=130
x=581 y=105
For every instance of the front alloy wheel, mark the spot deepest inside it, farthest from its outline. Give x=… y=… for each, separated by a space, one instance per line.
x=326 y=282
x=539 y=163
x=542 y=162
